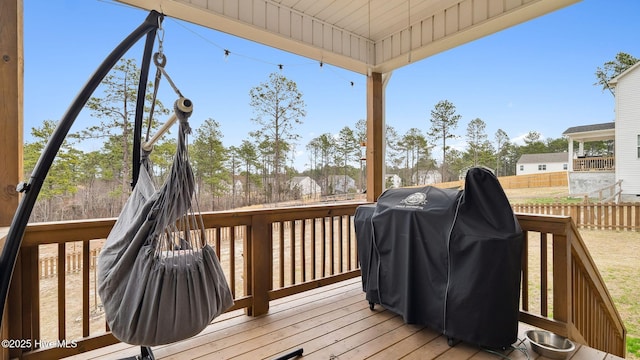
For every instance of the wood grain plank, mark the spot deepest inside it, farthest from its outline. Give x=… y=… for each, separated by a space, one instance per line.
x=382 y=343
x=329 y=322
x=339 y=340
x=406 y=345
x=430 y=350
x=311 y=338
x=248 y=331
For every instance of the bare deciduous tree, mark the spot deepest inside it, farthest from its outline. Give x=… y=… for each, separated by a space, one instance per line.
x=278 y=106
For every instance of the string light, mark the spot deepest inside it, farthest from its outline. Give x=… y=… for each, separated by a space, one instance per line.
x=227 y=53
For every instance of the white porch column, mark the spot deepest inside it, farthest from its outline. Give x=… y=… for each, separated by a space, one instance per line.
x=571 y=155
x=581 y=148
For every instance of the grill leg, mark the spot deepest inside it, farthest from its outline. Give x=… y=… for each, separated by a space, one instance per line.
x=146 y=353
x=452 y=342
x=290 y=355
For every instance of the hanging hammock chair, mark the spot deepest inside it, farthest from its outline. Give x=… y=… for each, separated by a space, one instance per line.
x=158 y=279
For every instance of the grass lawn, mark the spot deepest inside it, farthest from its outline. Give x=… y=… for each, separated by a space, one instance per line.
x=547 y=195
x=554 y=200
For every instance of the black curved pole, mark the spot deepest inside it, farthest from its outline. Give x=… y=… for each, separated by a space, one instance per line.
x=32 y=188
x=142 y=90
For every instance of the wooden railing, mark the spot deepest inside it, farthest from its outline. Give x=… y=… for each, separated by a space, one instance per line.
x=265 y=254
x=272 y=253
x=608 y=193
x=565 y=292
x=604 y=163
x=601 y=216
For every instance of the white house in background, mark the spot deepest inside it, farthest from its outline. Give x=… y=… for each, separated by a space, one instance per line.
x=341 y=184
x=392 y=181
x=429 y=177
x=627 y=142
x=305 y=187
x=237 y=189
x=542 y=163
x=588 y=173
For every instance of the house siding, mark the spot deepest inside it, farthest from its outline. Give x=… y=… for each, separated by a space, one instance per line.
x=627 y=131
x=341 y=184
x=533 y=168
x=306 y=186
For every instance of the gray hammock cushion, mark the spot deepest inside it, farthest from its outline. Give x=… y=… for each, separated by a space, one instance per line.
x=153 y=290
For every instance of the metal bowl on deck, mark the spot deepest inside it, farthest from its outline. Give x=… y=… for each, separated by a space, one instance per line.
x=549 y=344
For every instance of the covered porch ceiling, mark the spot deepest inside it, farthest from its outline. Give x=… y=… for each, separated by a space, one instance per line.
x=363 y=36
x=592 y=136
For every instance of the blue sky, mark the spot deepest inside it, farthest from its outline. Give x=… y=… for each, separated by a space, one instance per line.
x=535 y=76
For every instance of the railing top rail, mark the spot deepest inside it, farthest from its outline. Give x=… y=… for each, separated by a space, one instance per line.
x=63 y=231
x=555 y=224
x=287 y=209
x=546 y=217
x=245 y=216
x=595 y=157
x=79 y=230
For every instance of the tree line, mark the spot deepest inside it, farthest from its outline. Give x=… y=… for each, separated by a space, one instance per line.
x=95 y=183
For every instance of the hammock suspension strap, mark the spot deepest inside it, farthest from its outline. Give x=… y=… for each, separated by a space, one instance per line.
x=160 y=60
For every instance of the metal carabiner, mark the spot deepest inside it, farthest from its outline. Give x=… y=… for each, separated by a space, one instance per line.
x=159 y=59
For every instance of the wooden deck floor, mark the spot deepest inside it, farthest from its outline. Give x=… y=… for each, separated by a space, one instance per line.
x=332 y=322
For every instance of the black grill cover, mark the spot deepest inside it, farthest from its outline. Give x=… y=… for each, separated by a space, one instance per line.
x=447 y=259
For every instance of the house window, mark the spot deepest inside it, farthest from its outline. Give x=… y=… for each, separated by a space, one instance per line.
x=542 y=167
x=521 y=167
x=638 y=146
x=564 y=167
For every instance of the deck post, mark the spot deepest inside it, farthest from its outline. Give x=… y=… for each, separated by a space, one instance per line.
x=11 y=122
x=11 y=106
x=261 y=265
x=562 y=300
x=375 y=136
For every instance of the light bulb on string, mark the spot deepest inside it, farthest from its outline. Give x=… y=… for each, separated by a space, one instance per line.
x=227 y=54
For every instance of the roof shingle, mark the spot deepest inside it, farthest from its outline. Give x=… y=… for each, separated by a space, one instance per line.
x=593 y=127
x=544 y=158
